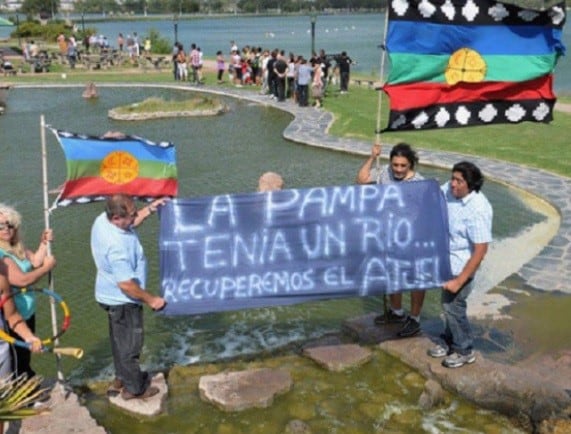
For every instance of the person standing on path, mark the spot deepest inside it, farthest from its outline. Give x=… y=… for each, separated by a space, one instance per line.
x=470 y=231
x=120 y=290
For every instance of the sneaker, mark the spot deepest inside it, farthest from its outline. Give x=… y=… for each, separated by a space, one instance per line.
x=438 y=351
x=391 y=318
x=115 y=387
x=456 y=360
x=151 y=391
x=410 y=328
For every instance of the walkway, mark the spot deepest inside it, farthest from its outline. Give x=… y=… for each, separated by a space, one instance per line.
x=550 y=270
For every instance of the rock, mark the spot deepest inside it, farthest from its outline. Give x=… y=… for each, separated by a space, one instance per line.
x=237 y=391
x=297 y=426
x=363 y=329
x=90 y=91
x=63 y=406
x=339 y=357
x=152 y=406
x=432 y=396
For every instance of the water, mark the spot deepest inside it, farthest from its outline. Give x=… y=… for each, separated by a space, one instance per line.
x=358 y=34
x=223 y=154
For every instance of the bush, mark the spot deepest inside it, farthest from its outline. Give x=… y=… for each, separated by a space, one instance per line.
x=47 y=32
x=159 y=44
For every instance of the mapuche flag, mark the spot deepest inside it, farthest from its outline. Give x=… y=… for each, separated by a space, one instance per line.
x=470 y=62
x=102 y=166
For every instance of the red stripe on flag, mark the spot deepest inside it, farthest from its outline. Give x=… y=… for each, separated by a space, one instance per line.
x=415 y=95
x=138 y=187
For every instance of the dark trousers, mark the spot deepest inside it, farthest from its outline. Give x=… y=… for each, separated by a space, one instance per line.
x=22 y=356
x=302 y=94
x=126 y=336
x=175 y=68
x=281 y=84
x=344 y=81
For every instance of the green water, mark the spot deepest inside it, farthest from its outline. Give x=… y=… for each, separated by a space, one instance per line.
x=223 y=154
x=378 y=397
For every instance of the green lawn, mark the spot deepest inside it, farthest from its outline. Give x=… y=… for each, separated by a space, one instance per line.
x=545 y=146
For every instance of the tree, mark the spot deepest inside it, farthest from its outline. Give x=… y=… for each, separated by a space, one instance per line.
x=43 y=8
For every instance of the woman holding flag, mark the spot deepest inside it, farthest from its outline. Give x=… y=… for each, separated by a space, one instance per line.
x=23 y=267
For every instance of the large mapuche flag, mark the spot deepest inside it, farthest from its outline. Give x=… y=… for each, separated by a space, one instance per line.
x=101 y=166
x=475 y=62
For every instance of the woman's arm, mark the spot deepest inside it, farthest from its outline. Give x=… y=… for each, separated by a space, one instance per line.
x=19 y=278
x=15 y=320
x=37 y=257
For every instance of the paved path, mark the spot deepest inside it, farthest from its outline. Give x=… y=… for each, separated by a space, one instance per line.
x=550 y=270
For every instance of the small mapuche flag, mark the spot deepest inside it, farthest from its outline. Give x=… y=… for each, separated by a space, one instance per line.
x=102 y=166
x=470 y=62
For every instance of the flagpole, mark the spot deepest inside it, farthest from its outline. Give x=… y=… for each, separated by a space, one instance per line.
x=380 y=98
x=378 y=126
x=60 y=376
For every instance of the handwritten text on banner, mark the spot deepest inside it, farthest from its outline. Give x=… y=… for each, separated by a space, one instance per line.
x=239 y=251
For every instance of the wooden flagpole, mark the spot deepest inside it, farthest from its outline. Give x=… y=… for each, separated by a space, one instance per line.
x=60 y=375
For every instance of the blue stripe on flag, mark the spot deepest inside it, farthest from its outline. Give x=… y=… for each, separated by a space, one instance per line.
x=428 y=38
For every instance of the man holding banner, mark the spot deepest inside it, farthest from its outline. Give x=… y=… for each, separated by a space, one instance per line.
x=120 y=290
x=470 y=230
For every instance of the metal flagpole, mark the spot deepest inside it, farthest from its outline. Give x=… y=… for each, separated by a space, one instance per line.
x=60 y=376
x=378 y=126
x=383 y=47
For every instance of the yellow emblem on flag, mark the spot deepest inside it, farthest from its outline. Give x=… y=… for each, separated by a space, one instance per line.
x=465 y=65
x=119 y=167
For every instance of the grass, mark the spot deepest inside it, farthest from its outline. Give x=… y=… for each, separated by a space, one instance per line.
x=151 y=105
x=544 y=146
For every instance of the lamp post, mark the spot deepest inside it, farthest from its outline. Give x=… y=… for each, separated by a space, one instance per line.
x=18 y=31
x=175 y=24
x=313 y=18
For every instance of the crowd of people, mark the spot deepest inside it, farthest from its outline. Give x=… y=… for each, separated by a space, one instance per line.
x=279 y=75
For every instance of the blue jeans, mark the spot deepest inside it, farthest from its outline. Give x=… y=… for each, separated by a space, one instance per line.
x=126 y=336
x=457 y=331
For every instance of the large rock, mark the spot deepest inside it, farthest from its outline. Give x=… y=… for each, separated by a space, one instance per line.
x=237 y=391
x=64 y=415
x=339 y=357
x=152 y=406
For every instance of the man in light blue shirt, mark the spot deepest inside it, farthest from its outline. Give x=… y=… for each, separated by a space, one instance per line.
x=470 y=231
x=120 y=290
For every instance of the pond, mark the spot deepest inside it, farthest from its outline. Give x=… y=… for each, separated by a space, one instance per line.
x=222 y=154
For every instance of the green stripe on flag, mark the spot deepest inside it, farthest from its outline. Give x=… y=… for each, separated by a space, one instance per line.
x=147 y=169
x=409 y=68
